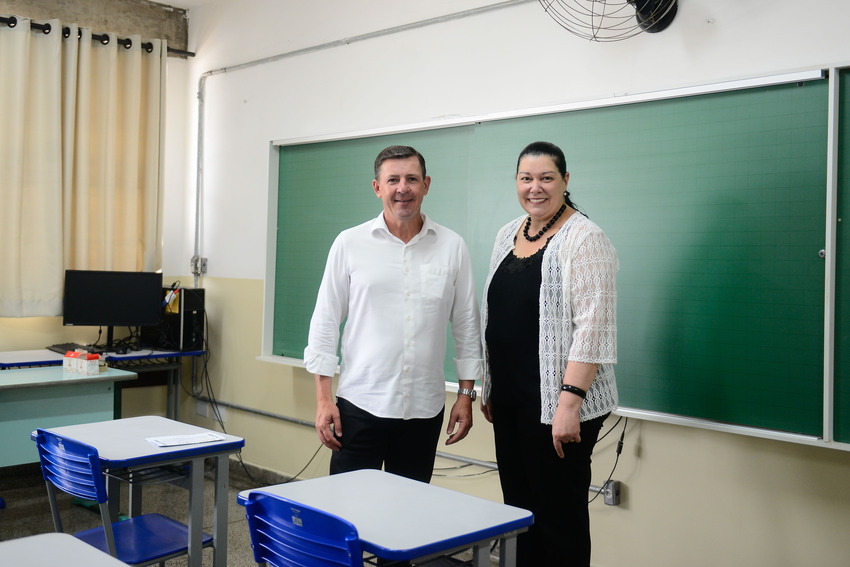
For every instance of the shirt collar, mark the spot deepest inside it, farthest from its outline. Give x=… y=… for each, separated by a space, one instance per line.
x=379 y=224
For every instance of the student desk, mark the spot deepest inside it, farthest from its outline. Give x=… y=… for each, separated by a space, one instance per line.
x=402 y=519
x=141 y=361
x=126 y=455
x=47 y=550
x=49 y=397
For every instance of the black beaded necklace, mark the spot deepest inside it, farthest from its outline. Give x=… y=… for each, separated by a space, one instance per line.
x=549 y=224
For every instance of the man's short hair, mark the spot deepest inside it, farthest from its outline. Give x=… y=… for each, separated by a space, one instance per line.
x=397 y=152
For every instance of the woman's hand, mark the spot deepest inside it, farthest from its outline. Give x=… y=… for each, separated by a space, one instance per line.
x=566 y=427
x=487 y=410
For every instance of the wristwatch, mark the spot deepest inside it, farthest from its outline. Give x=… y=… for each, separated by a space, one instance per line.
x=468 y=392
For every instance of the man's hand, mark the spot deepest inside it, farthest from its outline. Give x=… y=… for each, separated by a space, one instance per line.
x=328 y=423
x=460 y=420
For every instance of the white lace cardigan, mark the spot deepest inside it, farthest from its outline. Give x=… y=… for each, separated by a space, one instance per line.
x=578 y=313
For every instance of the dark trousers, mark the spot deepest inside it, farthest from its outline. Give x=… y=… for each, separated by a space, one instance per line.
x=554 y=489
x=406 y=447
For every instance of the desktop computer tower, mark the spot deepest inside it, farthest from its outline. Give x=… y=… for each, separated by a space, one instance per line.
x=183 y=325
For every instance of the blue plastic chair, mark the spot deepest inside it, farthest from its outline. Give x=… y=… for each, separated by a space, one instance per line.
x=74 y=468
x=287 y=534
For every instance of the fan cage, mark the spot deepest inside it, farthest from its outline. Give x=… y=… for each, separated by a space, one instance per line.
x=609 y=20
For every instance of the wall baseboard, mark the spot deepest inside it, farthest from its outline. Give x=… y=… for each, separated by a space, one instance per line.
x=244 y=476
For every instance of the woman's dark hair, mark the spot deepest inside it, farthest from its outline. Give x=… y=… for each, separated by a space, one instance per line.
x=554 y=152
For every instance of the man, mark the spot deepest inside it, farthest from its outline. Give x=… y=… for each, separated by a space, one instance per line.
x=396 y=281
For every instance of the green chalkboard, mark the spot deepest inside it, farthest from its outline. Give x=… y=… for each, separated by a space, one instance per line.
x=715 y=204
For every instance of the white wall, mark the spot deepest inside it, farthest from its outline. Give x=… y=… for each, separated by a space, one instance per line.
x=692 y=497
x=505 y=60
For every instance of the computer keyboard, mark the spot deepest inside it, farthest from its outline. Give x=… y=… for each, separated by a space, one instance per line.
x=62 y=348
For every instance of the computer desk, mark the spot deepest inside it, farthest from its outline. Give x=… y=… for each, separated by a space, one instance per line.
x=150 y=360
x=141 y=361
x=54 y=549
x=402 y=519
x=126 y=456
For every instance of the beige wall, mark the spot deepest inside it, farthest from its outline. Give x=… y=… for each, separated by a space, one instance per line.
x=690 y=496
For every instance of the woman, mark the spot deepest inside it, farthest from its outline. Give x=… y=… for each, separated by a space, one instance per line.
x=549 y=333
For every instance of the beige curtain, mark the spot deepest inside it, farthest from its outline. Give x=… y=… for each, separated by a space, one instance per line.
x=81 y=153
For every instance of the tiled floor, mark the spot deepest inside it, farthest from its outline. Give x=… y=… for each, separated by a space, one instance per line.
x=27 y=511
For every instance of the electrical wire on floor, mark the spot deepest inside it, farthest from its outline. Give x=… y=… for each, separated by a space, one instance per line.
x=206 y=384
x=439 y=471
x=305 y=466
x=454 y=468
x=470 y=475
x=617 y=458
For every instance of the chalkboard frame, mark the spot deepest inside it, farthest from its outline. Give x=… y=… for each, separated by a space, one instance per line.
x=816 y=438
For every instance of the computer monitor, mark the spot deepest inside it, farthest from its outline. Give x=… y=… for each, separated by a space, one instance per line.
x=112 y=299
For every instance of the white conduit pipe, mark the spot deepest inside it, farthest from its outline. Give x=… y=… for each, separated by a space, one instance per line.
x=199 y=183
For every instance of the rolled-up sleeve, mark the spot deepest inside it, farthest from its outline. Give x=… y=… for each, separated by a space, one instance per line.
x=466 y=323
x=320 y=355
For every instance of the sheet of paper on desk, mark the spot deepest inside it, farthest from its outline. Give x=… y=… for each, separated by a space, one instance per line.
x=174 y=440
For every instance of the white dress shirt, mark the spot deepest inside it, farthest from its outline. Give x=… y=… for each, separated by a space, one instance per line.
x=397 y=300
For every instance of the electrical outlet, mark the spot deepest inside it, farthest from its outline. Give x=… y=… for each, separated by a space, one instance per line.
x=611 y=492
x=198 y=265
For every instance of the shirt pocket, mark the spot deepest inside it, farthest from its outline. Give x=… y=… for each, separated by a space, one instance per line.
x=436 y=279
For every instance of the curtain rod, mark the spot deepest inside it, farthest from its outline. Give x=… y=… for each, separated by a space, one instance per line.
x=103 y=38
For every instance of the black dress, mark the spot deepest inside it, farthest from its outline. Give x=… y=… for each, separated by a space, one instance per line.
x=531 y=474
x=513 y=324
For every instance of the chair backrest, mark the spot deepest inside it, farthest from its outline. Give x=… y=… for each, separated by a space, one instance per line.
x=74 y=467
x=71 y=466
x=288 y=534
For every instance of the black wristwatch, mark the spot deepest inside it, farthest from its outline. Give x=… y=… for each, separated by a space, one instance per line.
x=468 y=392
